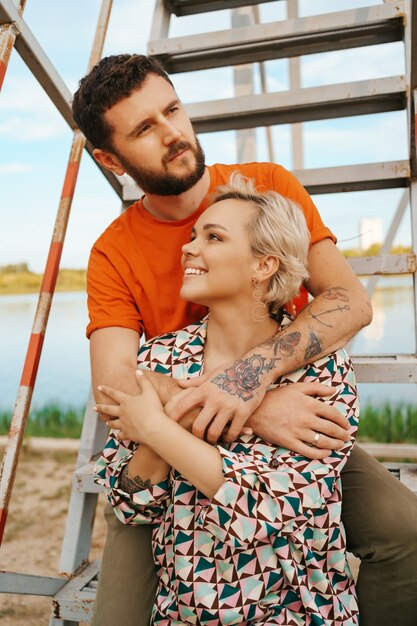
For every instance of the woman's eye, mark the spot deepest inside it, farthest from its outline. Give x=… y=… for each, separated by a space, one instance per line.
x=214 y=237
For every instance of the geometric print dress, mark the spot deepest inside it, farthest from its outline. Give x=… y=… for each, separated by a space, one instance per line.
x=269 y=547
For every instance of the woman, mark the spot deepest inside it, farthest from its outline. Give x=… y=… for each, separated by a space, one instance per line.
x=243 y=533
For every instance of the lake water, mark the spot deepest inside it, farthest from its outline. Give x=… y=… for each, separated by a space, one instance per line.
x=64 y=374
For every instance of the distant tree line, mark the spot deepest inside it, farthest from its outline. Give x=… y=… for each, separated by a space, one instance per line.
x=15 y=268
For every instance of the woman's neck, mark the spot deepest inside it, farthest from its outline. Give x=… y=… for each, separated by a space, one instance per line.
x=232 y=333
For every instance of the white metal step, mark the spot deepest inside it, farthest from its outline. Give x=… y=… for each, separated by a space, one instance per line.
x=300 y=105
x=364 y=176
x=386 y=264
x=191 y=7
x=283 y=39
x=386 y=369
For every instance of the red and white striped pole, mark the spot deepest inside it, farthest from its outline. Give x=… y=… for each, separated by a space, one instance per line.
x=30 y=368
x=8 y=34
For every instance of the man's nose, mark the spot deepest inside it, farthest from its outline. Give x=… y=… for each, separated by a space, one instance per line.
x=170 y=133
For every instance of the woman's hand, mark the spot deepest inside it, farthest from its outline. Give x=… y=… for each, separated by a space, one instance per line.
x=137 y=417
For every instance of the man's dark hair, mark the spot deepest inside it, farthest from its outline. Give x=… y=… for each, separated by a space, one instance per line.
x=111 y=79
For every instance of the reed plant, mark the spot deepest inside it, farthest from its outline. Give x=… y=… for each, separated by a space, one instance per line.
x=388 y=423
x=50 y=420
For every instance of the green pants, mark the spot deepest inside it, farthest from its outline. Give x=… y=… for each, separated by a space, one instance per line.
x=380 y=517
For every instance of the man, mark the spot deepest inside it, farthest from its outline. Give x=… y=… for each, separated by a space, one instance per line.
x=128 y=109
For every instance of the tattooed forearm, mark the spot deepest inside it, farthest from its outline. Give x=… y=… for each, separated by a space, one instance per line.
x=242 y=378
x=132 y=485
x=335 y=294
x=283 y=345
x=314 y=347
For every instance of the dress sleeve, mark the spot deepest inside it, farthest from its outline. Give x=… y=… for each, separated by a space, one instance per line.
x=271 y=490
x=110 y=301
x=142 y=507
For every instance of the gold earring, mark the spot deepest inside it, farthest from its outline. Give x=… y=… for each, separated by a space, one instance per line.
x=260 y=311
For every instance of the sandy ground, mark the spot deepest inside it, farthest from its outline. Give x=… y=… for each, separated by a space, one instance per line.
x=35 y=527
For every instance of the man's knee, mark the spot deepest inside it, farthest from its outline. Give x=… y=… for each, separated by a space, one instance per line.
x=378 y=511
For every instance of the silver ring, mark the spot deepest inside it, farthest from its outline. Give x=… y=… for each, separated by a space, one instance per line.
x=316 y=439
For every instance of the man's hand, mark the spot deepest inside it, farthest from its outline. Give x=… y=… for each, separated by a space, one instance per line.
x=188 y=420
x=293 y=416
x=227 y=396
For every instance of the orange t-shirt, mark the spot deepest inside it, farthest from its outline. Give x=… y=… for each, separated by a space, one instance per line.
x=134 y=274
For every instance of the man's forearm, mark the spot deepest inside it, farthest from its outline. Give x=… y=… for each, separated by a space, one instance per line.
x=325 y=325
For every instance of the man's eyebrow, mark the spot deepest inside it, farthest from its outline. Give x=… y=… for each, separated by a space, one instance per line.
x=131 y=134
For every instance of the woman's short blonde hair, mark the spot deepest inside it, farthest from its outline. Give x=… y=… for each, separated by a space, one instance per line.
x=278 y=228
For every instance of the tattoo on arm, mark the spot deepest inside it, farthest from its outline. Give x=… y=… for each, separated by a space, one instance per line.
x=132 y=485
x=313 y=348
x=242 y=378
x=335 y=294
x=283 y=345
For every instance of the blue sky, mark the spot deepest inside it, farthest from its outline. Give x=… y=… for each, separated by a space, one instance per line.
x=35 y=141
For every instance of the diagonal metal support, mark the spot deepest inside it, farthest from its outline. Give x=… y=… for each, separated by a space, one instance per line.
x=43 y=70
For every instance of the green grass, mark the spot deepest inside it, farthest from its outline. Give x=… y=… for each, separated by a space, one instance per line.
x=389 y=423
x=49 y=421
x=386 y=423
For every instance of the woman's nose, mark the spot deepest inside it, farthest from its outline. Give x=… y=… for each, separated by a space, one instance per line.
x=189 y=248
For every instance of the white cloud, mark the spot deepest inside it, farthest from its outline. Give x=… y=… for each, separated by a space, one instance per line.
x=129 y=27
x=14 y=168
x=27 y=114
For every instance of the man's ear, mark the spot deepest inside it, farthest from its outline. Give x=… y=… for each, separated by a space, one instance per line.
x=267 y=266
x=109 y=161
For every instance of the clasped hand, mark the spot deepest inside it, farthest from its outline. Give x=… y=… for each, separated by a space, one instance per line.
x=135 y=417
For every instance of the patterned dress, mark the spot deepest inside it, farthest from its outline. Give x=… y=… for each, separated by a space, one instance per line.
x=269 y=548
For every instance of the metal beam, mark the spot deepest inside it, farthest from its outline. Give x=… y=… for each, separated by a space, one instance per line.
x=29 y=584
x=313 y=103
x=366 y=176
x=45 y=73
x=384 y=264
x=361 y=177
x=398 y=368
x=191 y=7
x=282 y=39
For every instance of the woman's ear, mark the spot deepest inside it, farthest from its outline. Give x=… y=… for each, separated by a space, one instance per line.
x=109 y=161
x=267 y=266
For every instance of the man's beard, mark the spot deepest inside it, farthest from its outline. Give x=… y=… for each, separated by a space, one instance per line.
x=166 y=184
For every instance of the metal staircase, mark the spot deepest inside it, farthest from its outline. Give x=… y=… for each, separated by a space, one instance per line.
x=73 y=593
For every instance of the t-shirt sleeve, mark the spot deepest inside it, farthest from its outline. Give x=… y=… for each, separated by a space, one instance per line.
x=110 y=301
x=287 y=185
